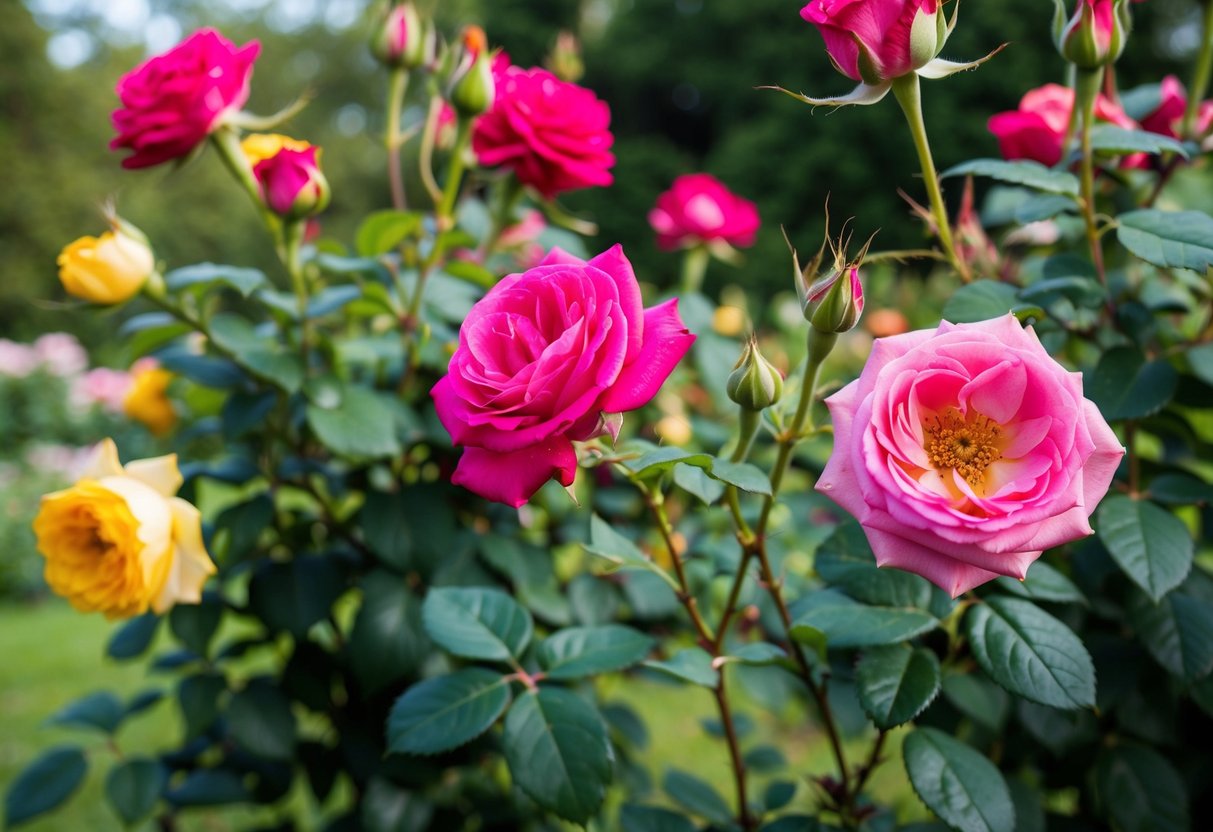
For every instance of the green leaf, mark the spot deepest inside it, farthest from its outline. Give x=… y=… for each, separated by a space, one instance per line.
x=557 y=749
x=209 y=787
x=1178 y=489
x=743 y=475
x=657 y=462
x=1039 y=207
x=1168 y=239
x=1032 y=174
x=447 y=711
x=204 y=275
x=477 y=623
x=698 y=482
x=609 y=544
x=845 y=561
x=1079 y=290
x=198 y=697
x=957 y=783
x=976 y=697
x=696 y=796
x=757 y=654
x=652 y=819
x=363 y=425
x=1031 y=653
x=980 y=300
x=195 y=624
x=1150 y=544
x=692 y=665
x=389 y=807
x=1125 y=386
x=1043 y=583
x=1200 y=360
x=293 y=595
x=847 y=623
x=134 y=787
x=44 y=784
x=1113 y=140
x=586 y=651
x=102 y=711
x=1141 y=791
x=259 y=718
x=383 y=230
x=1059 y=731
x=388 y=641
x=593 y=600
x=896 y=683
x=1177 y=630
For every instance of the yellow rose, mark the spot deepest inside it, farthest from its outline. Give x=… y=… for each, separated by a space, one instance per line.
x=119 y=542
x=260 y=146
x=147 y=400
x=107 y=269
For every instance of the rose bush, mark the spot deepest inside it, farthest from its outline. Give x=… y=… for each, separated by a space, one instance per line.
x=698 y=209
x=967 y=450
x=543 y=360
x=171 y=103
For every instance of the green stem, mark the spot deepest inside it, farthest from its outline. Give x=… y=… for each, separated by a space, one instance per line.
x=1086 y=91
x=454 y=176
x=292 y=241
x=694 y=266
x=508 y=193
x=1201 y=74
x=426 y=161
x=909 y=96
x=398 y=84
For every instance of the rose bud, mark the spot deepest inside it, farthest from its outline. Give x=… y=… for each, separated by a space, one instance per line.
x=754 y=384
x=147 y=401
x=400 y=39
x=834 y=303
x=565 y=61
x=292 y=185
x=108 y=269
x=874 y=41
x=472 y=87
x=1095 y=35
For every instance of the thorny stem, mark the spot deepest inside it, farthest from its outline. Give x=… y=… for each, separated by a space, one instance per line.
x=398 y=83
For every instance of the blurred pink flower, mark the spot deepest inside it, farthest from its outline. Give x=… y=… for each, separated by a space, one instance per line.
x=698 y=208
x=61 y=354
x=17 y=360
x=101 y=387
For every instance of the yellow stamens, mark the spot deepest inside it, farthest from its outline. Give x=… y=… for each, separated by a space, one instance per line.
x=968 y=445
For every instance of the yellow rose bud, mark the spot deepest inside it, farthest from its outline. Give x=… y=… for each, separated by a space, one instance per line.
x=119 y=542
x=147 y=401
x=108 y=269
x=258 y=147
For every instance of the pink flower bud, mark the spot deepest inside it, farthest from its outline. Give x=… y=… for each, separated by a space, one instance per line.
x=834 y=303
x=874 y=41
x=400 y=39
x=292 y=184
x=1096 y=33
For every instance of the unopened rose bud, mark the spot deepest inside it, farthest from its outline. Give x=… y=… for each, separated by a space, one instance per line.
x=108 y=269
x=754 y=383
x=292 y=184
x=565 y=61
x=1095 y=35
x=834 y=303
x=400 y=38
x=472 y=87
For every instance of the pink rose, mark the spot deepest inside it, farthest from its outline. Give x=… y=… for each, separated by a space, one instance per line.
x=1173 y=100
x=554 y=135
x=698 y=208
x=870 y=40
x=966 y=451
x=61 y=354
x=171 y=103
x=1037 y=130
x=17 y=360
x=101 y=386
x=292 y=184
x=542 y=358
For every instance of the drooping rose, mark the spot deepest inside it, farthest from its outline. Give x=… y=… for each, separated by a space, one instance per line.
x=542 y=359
x=698 y=208
x=1168 y=115
x=105 y=270
x=292 y=184
x=555 y=136
x=966 y=451
x=1037 y=130
x=171 y=103
x=146 y=399
x=877 y=40
x=119 y=542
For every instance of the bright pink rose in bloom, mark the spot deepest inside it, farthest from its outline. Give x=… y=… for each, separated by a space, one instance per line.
x=291 y=182
x=698 y=208
x=876 y=40
x=1167 y=116
x=171 y=103
x=542 y=359
x=966 y=451
x=1037 y=129
x=554 y=135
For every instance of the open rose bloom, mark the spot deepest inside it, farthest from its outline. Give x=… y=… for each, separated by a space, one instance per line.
x=1037 y=130
x=966 y=451
x=544 y=359
x=698 y=209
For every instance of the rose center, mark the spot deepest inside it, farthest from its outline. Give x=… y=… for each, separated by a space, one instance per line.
x=965 y=443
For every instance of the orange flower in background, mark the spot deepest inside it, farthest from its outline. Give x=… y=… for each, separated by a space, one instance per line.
x=119 y=542
x=147 y=400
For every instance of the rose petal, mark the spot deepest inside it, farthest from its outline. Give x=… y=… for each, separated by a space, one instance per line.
x=512 y=478
x=666 y=341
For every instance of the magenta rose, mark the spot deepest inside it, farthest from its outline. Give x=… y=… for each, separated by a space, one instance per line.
x=554 y=135
x=966 y=451
x=542 y=358
x=1172 y=102
x=697 y=209
x=876 y=40
x=171 y=103
x=1037 y=130
x=291 y=182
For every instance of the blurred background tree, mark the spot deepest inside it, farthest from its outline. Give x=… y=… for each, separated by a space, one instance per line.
x=680 y=76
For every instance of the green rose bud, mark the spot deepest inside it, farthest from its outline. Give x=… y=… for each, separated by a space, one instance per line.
x=754 y=383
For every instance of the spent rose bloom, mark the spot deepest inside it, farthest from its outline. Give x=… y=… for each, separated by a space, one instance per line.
x=292 y=184
x=966 y=451
x=171 y=103
x=1037 y=130
x=876 y=40
x=698 y=208
x=542 y=359
x=118 y=541
x=554 y=135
